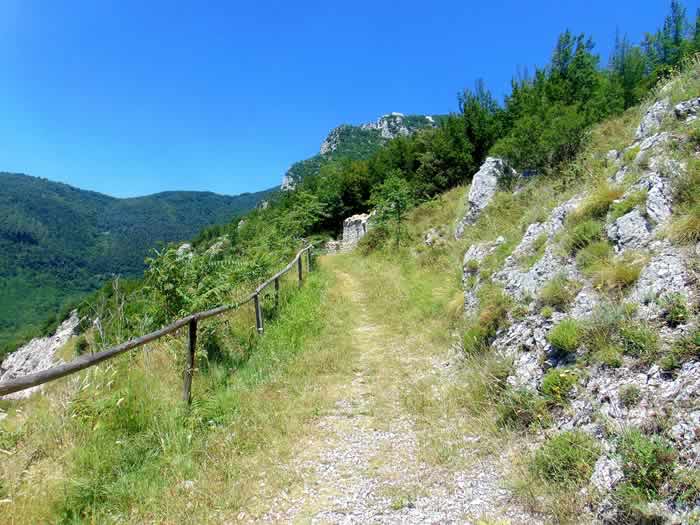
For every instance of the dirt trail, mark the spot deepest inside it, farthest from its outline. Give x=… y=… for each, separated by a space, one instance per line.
x=363 y=460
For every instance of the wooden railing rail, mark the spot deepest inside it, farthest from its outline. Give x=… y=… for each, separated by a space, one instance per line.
x=86 y=361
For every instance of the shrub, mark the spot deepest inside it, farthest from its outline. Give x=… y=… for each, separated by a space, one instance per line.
x=630 y=395
x=597 y=203
x=608 y=355
x=559 y=292
x=375 y=239
x=647 y=462
x=620 y=273
x=547 y=312
x=630 y=154
x=640 y=341
x=471 y=266
x=557 y=384
x=593 y=255
x=581 y=235
x=566 y=459
x=686 y=485
x=566 y=336
x=634 y=199
x=521 y=409
x=675 y=309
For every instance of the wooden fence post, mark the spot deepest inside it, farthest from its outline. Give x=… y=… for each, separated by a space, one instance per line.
x=258 y=314
x=277 y=293
x=308 y=253
x=189 y=367
x=301 y=271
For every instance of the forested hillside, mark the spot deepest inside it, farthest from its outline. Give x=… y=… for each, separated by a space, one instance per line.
x=58 y=242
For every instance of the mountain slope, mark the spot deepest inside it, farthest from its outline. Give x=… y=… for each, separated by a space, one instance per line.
x=358 y=142
x=58 y=242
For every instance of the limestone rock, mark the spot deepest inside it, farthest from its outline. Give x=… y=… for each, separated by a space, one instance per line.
x=36 y=355
x=470 y=266
x=184 y=250
x=332 y=246
x=606 y=474
x=493 y=171
x=652 y=119
x=687 y=110
x=354 y=228
x=288 y=182
x=629 y=231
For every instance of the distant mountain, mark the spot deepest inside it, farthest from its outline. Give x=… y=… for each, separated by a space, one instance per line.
x=58 y=242
x=358 y=142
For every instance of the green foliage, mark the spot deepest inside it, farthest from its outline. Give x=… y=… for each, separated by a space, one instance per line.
x=537 y=251
x=522 y=409
x=675 y=308
x=392 y=199
x=633 y=200
x=609 y=355
x=557 y=384
x=566 y=459
x=647 y=462
x=591 y=257
x=640 y=340
x=581 y=235
x=566 y=336
x=615 y=275
x=630 y=395
x=685 y=227
x=493 y=312
x=597 y=203
x=683 y=350
x=559 y=292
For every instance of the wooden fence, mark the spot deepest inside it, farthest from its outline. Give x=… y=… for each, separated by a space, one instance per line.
x=86 y=361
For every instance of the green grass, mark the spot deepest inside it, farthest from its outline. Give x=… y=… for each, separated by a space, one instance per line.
x=492 y=316
x=566 y=459
x=616 y=275
x=609 y=355
x=522 y=409
x=675 y=309
x=630 y=395
x=597 y=203
x=559 y=293
x=683 y=350
x=566 y=336
x=580 y=235
x=647 y=463
x=557 y=384
x=593 y=256
x=636 y=199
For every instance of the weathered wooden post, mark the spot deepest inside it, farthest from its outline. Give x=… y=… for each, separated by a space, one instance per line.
x=277 y=293
x=258 y=314
x=308 y=253
x=301 y=271
x=189 y=366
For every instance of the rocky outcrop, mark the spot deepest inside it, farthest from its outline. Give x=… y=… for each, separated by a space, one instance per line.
x=38 y=354
x=629 y=231
x=687 y=110
x=493 y=173
x=652 y=119
x=288 y=183
x=354 y=228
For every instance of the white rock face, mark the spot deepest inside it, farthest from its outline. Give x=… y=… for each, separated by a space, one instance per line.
x=390 y=126
x=606 y=474
x=652 y=119
x=629 y=231
x=287 y=182
x=354 y=228
x=184 y=250
x=493 y=171
x=687 y=110
x=36 y=355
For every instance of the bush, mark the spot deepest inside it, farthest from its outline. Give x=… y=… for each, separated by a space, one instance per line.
x=522 y=409
x=559 y=292
x=630 y=395
x=471 y=266
x=593 y=255
x=557 y=384
x=566 y=459
x=581 y=235
x=566 y=336
x=686 y=486
x=375 y=239
x=647 y=462
x=675 y=309
x=547 y=312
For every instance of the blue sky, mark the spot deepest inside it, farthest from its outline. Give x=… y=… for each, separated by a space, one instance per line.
x=134 y=97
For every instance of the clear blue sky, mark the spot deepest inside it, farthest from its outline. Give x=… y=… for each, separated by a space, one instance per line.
x=130 y=97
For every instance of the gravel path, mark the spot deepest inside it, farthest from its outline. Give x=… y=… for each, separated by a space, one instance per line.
x=362 y=460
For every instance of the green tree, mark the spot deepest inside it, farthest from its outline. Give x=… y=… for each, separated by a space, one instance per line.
x=392 y=199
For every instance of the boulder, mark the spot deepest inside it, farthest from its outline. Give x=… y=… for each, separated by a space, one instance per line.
x=491 y=174
x=687 y=110
x=629 y=231
x=184 y=250
x=652 y=119
x=354 y=228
